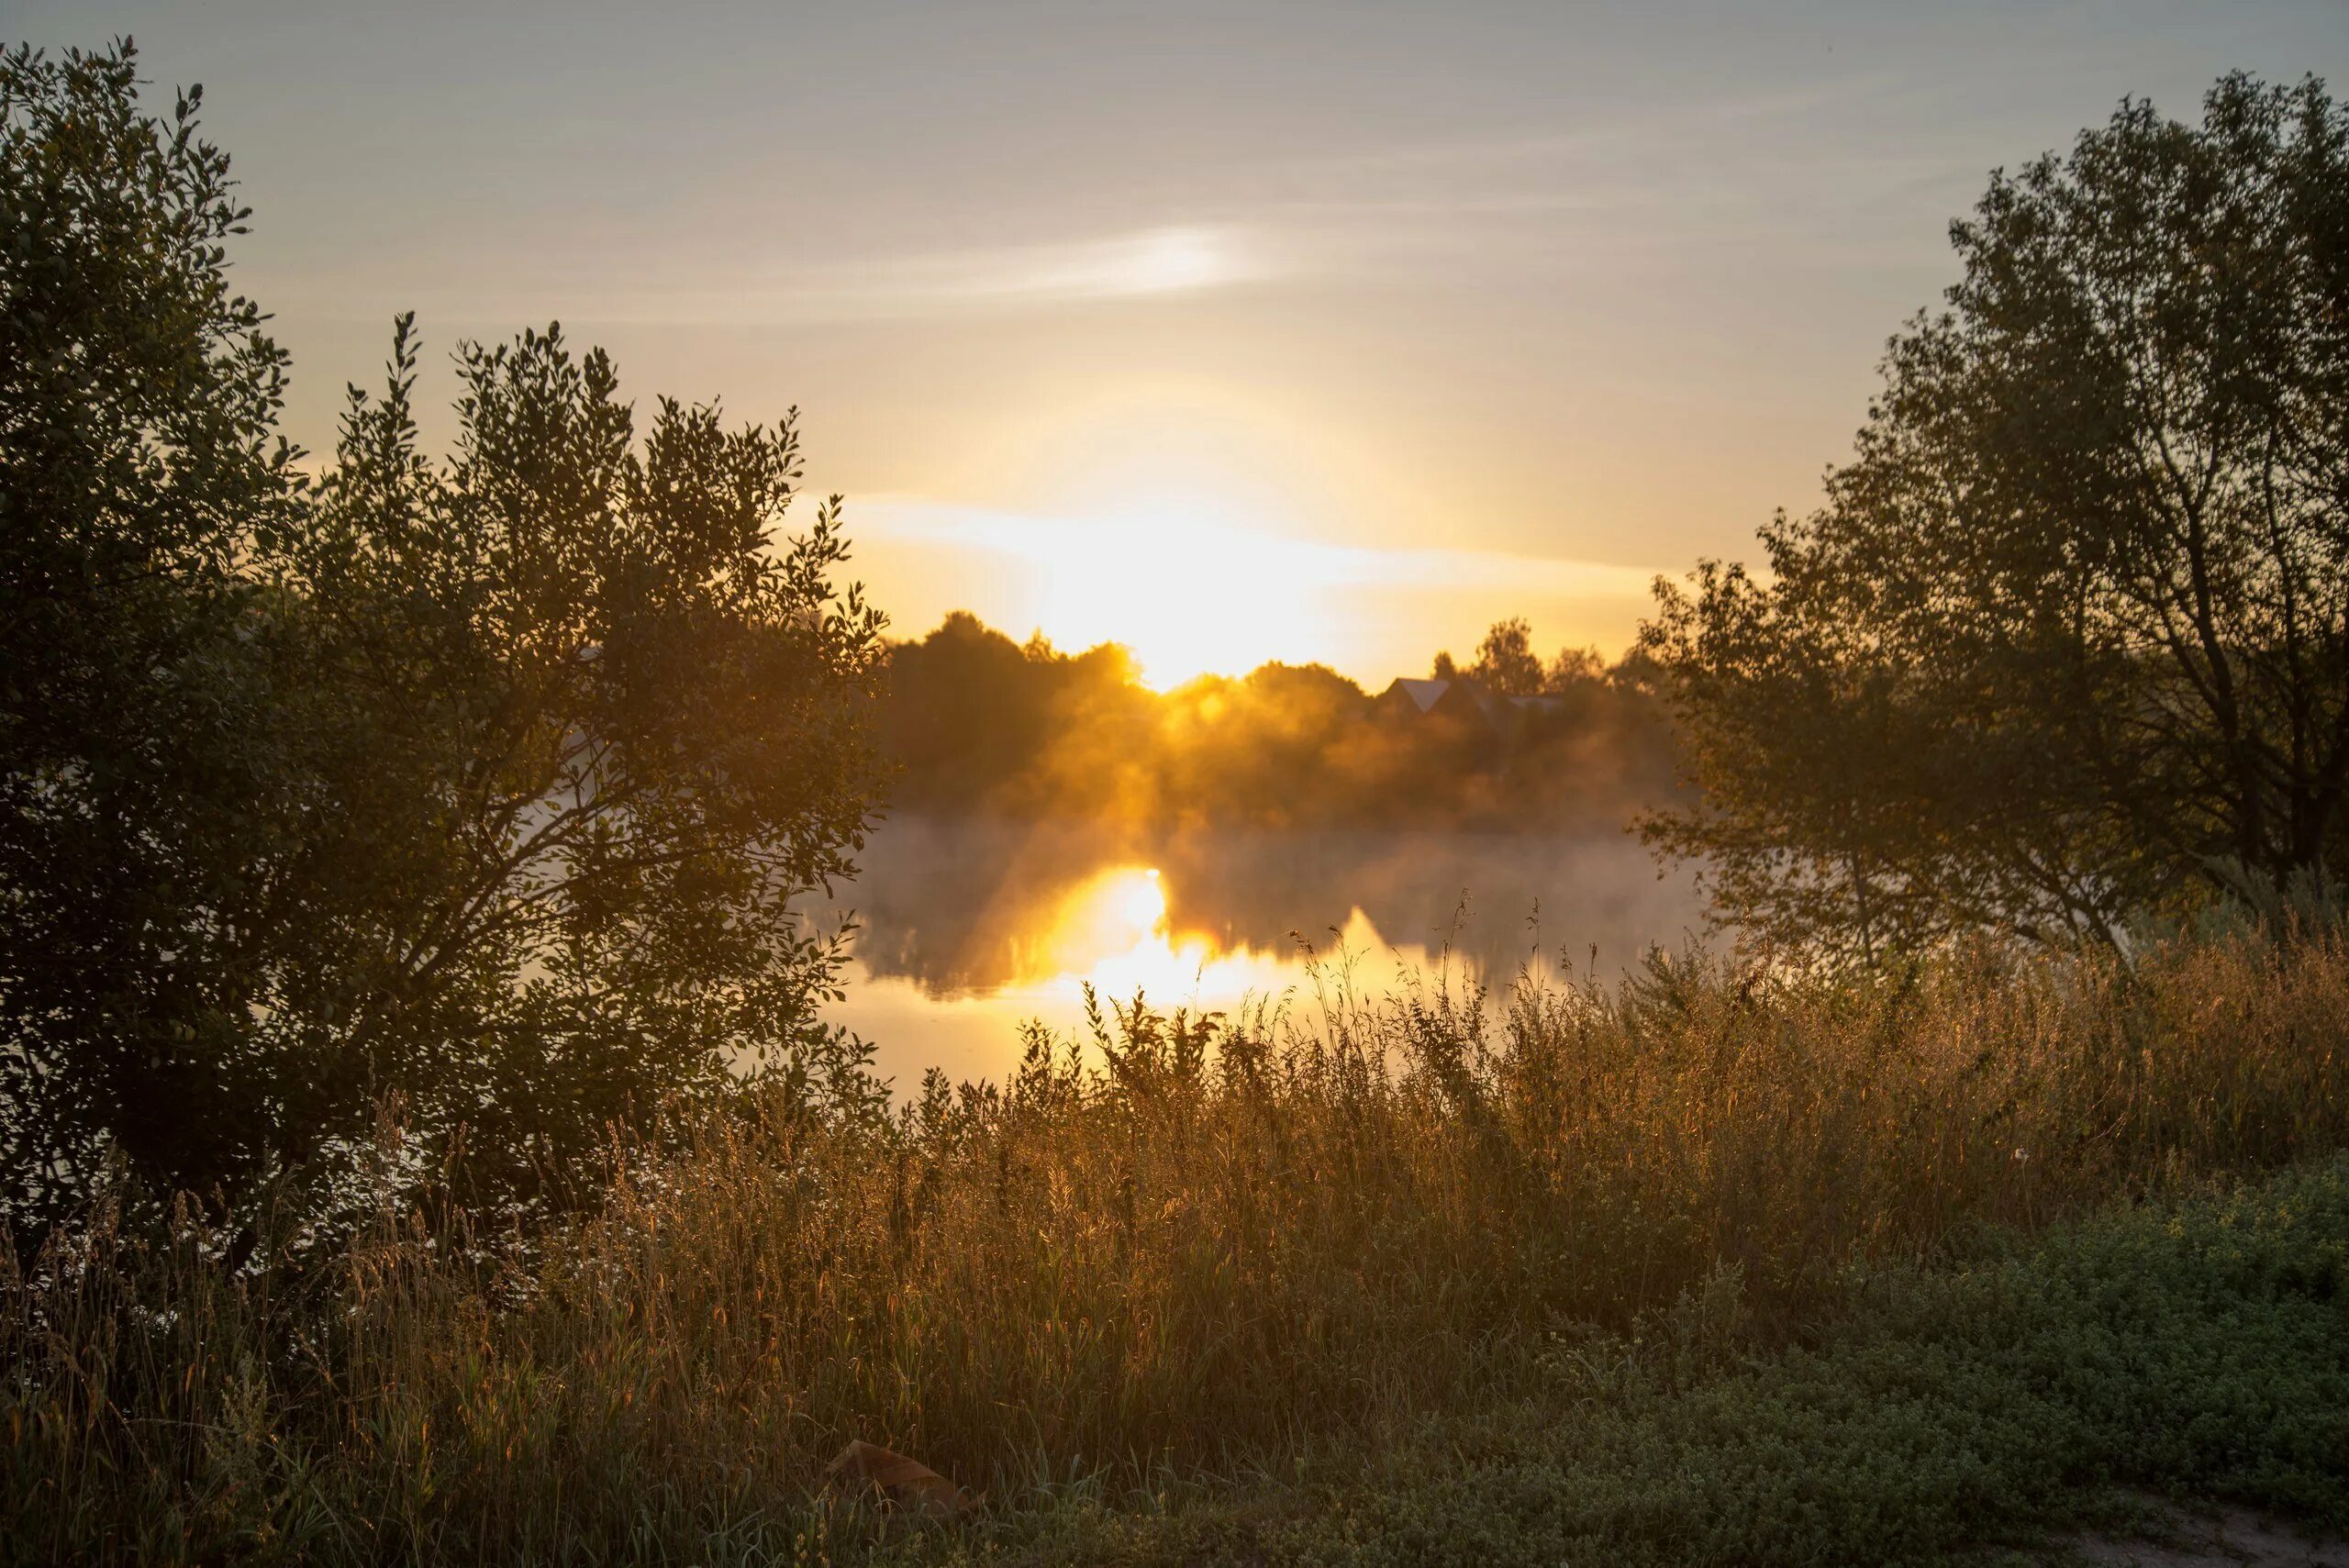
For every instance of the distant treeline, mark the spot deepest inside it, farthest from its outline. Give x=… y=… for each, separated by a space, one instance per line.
x=975 y=723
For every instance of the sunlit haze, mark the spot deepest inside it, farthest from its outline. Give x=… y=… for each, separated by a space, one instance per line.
x=1234 y=333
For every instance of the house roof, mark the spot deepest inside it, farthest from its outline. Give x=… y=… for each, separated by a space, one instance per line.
x=1424 y=694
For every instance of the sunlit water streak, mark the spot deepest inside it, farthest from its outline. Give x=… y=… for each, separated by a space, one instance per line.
x=1112 y=936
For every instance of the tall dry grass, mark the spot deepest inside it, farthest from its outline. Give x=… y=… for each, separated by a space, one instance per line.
x=1218 y=1243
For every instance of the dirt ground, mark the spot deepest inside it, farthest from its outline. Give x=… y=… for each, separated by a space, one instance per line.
x=2227 y=1538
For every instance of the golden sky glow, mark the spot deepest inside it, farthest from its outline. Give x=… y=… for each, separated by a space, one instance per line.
x=1314 y=331
x=1190 y=587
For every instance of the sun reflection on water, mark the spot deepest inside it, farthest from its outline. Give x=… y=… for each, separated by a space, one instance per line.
x=1114 y=933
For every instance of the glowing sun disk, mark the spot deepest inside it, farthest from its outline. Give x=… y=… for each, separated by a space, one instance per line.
x=1185 y=597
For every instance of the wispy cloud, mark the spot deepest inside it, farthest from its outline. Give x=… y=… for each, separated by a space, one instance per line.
x=1180 y=260
x=1621 y=189
x=1141 y=263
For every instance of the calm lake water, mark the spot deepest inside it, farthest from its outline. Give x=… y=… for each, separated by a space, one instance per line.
x=969 y=929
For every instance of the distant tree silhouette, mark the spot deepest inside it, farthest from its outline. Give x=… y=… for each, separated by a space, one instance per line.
x=966 y=711
x=1574 y=670
x=2070 y=638
x=1505 y=662
x=973 y=724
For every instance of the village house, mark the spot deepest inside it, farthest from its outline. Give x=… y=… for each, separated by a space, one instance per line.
x=1464 y=701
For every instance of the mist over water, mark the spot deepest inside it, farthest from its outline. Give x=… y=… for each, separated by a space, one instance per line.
x=968 y=928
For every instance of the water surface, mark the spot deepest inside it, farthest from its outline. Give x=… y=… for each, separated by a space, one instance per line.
x=971 y=929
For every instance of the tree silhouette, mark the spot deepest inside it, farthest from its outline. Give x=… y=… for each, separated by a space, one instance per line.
x=483 y=784
x=1505 y=662
x=2070 y=638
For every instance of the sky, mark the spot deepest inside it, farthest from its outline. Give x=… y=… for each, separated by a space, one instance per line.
x=1290 y=330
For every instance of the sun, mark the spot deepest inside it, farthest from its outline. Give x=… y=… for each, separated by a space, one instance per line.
x=1186 y=593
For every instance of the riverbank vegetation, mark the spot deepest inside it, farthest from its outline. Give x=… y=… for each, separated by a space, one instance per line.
x=1234 y=1244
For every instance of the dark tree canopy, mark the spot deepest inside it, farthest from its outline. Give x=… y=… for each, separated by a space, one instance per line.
x=2069 y=639
x=478 y=785
x=144 y=771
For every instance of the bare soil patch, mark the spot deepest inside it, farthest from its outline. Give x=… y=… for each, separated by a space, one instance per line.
x=2225 y=1538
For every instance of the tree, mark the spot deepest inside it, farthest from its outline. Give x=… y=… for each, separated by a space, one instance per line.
x=1574 y=670
x=1505 y=662
x=2069 y=637
x=966 y=710
x=142 y=762
x=482 y=785
x=600 y=726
